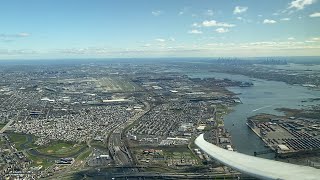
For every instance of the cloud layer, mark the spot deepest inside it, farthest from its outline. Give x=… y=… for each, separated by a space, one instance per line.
x=214 y=23
x=195 y=31
x=269 y=21
x=300 y=4
x=240 y=9
x=317 y=14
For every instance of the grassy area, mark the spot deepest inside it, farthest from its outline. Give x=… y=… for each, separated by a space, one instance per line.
x=2 y=142
x=2 y=125
x=18 y=139
x=55 y=149
x=84 y=155
x=262 y=117
x=61 y=149
x=313 y=113
x=99 y=145
x=21 y=143
x=37 y=161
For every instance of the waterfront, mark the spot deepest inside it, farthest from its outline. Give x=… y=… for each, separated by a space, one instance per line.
x=263 y=97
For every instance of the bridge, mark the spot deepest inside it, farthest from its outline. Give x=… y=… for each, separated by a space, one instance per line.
x=257 y=167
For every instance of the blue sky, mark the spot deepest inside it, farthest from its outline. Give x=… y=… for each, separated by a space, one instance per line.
x=158 y=28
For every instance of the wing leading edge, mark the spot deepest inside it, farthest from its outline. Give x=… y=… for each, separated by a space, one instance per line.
x=255 y=166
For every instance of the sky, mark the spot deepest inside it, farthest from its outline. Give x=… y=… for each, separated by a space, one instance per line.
x=48 y=29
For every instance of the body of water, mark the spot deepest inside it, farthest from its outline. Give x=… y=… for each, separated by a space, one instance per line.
x=263 y=97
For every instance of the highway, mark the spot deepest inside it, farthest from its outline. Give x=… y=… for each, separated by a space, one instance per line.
x=117 y=148
x=6 y=126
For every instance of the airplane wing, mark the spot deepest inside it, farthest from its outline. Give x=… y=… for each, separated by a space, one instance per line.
x=257 y=167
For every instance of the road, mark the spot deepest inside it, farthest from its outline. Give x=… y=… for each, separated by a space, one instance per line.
x=150 y=175
x=6 y=126
x=118 y=150
x=9 y=123
x=116 y=145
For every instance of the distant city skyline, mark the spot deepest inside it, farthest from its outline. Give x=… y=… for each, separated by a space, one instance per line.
x=48 y=29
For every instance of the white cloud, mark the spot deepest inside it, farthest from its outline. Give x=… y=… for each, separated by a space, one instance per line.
x=156 y=13
x=214 y=23
x=18 y=52
x=269 y=21
x=317 y=14
x=209 y=23
x=196 y=25
x=7 y=38
x=195 y=31
x=22 y=34
x=160 y=40
x=209 y=12
x=239 y=9
x=222 y=30
x=300 y=4
x=291 y=38
x=310 y=41
x=285 y=19
x=243 y=19
x=147 y=45
x=315 y=39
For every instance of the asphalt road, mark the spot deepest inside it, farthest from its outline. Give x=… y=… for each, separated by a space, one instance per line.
x=116 y=145
x=6 y=126
x=118 y=150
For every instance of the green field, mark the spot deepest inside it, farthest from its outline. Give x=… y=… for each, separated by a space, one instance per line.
x=45 y=155
x=18 y=138
x=37 y=161
x=61 y=149
x=21 y=140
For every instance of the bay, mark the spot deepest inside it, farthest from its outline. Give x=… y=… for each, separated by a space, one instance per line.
x=263 y=97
